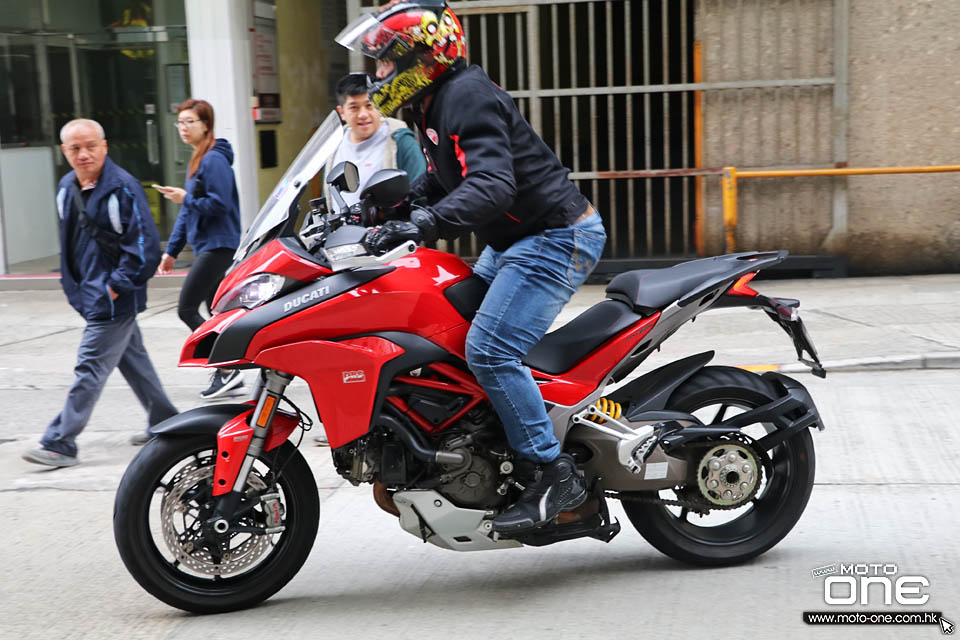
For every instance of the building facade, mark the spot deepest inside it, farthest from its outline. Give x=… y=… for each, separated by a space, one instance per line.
x=645 y=101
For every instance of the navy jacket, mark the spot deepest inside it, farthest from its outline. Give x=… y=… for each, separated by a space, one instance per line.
x=210 y=216
x=489 y=170
x=117 y=203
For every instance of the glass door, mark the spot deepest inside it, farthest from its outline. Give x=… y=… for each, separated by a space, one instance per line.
x=128 y=75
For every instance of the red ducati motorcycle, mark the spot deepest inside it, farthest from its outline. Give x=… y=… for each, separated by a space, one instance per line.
x=713 y=465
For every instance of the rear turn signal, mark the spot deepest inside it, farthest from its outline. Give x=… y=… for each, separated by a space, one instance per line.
x=741 y=288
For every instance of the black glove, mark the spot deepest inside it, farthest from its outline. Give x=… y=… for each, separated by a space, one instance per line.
x=426 y=222
x=393 y=233
x=390 y=234
x=401 y=210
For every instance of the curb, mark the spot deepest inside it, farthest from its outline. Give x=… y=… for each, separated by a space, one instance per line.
x=52 y=282
x=935 y=360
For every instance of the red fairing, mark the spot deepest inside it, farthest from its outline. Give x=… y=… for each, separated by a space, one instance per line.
x=343 y=378
x=408 y=299
x=344 y=375
x=213 y=326
x=233 y=440
x=571 y=387
x=274 y=257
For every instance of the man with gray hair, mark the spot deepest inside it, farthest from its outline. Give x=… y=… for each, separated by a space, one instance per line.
x=109 y=249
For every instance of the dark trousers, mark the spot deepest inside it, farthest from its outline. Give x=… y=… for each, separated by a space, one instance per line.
x=201 y=284
x=105 y=346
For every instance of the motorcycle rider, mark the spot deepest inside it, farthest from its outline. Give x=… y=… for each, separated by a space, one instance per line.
x=490 y=173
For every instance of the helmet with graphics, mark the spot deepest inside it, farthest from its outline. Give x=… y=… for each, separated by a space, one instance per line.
x=422 y=38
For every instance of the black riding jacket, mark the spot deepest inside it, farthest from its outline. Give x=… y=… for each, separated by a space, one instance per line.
x=489 y=171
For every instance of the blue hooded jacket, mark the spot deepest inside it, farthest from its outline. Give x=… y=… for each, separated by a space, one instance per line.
x=210 y=216
x=117 y=203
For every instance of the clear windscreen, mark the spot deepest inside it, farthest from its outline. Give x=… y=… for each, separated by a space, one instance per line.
x=311 y=159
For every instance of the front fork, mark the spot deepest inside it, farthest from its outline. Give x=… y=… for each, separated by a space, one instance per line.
x=270 y=392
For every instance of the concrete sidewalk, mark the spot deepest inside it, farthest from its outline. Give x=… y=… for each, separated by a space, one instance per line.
x=900 y=322
x=883 y=323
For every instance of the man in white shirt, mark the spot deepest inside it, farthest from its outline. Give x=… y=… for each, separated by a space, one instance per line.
x=371 y=141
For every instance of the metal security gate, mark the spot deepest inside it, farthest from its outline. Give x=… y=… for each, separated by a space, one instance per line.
x=588 y=75
x=615 y=88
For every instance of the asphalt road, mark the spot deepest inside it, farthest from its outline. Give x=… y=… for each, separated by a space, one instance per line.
x=888 y=491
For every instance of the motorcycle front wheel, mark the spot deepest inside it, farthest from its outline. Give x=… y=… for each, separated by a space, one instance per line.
x=166 y=495
x=731 y=536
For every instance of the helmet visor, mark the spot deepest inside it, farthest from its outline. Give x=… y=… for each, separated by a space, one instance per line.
x=368 y=36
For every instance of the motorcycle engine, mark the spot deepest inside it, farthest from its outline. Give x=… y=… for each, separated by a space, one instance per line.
x=475 y=483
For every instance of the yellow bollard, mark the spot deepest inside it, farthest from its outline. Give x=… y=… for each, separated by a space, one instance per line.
x=728 y=185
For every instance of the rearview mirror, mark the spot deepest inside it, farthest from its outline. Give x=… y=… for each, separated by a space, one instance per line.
x=344 y=177
x=386 y=187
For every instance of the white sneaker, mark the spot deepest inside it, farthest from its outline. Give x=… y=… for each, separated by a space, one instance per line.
x=222 y=383
x=49 y=458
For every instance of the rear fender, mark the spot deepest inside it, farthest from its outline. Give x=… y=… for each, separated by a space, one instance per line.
x=651 y=391
x=230 y=424
x=792 y=412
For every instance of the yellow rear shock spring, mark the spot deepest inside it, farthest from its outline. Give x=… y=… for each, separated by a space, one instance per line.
x=608 y=408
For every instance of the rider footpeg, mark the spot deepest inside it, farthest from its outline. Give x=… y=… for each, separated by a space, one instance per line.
x=633 y=453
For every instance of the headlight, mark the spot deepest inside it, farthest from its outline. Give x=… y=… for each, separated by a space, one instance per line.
x=250 y=293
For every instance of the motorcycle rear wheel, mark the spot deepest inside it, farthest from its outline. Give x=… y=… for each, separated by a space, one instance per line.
x=166 y=489
x=755 y=527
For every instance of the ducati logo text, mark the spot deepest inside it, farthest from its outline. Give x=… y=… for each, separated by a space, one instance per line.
x=303 y=299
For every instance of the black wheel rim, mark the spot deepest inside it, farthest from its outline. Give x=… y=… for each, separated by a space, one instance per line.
x=164 y=559
x=722 y=527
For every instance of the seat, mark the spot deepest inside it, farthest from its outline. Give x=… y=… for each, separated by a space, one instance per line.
x=650 y=290
x=559 y=350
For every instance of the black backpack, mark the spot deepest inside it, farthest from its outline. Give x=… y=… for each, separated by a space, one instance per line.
x=107 y=239
x=109 y=242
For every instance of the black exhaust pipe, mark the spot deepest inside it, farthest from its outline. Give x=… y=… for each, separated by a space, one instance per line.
x=416 y=446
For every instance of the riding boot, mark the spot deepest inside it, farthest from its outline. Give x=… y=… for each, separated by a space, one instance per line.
x=548 y=489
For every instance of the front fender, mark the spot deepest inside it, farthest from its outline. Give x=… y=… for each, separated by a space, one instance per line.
x=230 y=424
x=200 y=421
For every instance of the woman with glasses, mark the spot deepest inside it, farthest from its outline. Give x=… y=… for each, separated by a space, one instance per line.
x=209 y=220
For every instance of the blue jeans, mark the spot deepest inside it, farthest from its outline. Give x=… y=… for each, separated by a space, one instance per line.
x=107 y=345
x=529 y=284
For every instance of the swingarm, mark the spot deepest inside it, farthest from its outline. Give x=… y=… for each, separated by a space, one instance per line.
x=643 y=431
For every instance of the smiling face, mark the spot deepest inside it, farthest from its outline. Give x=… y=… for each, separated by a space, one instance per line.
x=85 y=150
x=360 y=115
x=192 y=129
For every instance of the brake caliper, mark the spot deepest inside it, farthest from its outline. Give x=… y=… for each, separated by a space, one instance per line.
x=273 y=512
